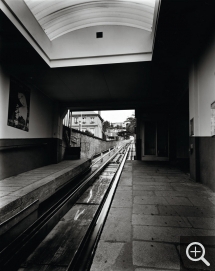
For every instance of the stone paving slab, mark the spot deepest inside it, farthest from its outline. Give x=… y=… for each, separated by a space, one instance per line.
x=186 y=188
x=126 y=174
x=160 y=234
x=199 y=223
x=123 y=194
x=153 y=187
x=128 y=169
x=126 y=181
x=9 y=188
x=143 y=179
x=145 y=222
x=203 y=202
x=4 y=193
x=116 y=231
x=150 y=200
x=122 y=203
x=153 y=183
x=146 y=269
x=11 y=184
x=106 y=256
x=123 y=214
x=189 y=211
x=212 y=199
x=145 y=209
x=181 y=194
x=167 y=234
x=163 y=221
x=179 y=201
x=10 y=203
x=155 y=255
x=143 y=193
x=124 y=188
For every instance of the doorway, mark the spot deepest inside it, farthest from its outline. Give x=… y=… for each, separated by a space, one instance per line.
x=156 y=140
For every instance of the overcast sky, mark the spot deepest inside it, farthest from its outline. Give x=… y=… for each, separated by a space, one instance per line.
x=116 y=115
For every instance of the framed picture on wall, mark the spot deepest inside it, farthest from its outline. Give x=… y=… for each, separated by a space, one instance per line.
x=192 y=127
x=19 y=105
x=213 y=119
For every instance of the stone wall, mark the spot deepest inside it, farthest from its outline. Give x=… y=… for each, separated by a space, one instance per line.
x=90 y=145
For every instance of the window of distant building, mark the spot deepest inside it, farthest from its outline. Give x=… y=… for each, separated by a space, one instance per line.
x=92 y=130
x=76 y=120
x=91 y=119
x=84 y=120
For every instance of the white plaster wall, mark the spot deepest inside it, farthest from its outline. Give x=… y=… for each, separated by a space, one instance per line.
x=193 y=99
x=202 y=90
x=41 y=113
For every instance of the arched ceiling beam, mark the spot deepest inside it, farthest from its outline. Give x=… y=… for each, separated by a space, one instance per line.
x=58 y=17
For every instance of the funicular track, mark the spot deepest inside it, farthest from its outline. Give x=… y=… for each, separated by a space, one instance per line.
x=75 y=222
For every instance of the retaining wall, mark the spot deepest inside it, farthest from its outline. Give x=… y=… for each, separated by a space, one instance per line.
x=90 y=145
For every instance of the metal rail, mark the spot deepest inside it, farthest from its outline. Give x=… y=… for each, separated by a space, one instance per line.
x=12 y=255
x=99 y=153
x=104 y=155
x=132 y=152
x=91 y=239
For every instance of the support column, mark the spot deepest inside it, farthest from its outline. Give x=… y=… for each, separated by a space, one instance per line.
x=138 y=134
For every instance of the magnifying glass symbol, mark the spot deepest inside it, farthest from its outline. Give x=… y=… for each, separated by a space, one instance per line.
x=195 y=251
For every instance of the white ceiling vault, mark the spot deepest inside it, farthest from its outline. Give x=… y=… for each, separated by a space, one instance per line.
x=58 y=17
x=64 y=32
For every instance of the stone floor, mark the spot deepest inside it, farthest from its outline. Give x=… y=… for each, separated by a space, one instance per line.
x=153 y=206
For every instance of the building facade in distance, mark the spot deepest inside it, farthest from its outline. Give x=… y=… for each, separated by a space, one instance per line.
x=121 y=124
x=88 y=121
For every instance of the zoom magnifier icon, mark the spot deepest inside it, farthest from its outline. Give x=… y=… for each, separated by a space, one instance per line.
x=195 y=251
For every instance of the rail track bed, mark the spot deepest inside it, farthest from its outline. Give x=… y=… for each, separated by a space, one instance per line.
x=66 y=234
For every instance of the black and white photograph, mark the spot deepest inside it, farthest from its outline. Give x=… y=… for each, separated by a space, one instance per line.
x=107 y=135
x=19 y=106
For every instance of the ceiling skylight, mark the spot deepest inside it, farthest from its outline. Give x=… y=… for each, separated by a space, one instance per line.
x=58 y=17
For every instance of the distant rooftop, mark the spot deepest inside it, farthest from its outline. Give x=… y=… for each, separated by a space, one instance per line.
x=84 y=113
x=87 y=113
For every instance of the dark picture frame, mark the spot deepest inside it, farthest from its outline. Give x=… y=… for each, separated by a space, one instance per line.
x=213 y=119
x=192 y=127
x=19 y=105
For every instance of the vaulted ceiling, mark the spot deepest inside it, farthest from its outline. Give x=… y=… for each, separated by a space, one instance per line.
x=64 y=32
x=59 y=17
